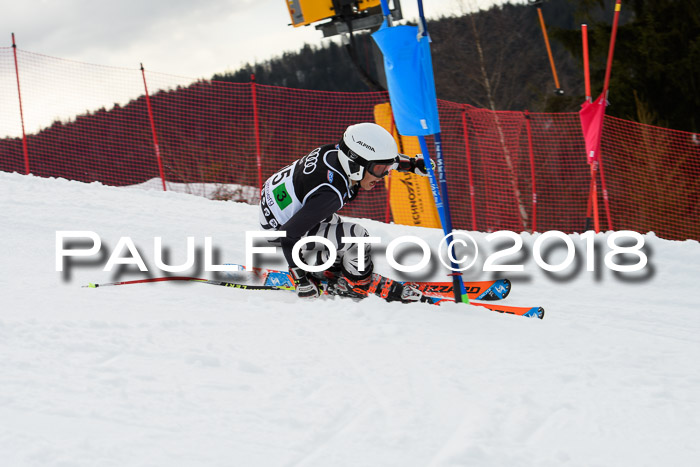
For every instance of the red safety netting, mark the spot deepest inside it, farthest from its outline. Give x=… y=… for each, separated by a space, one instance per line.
x=653 y=178
x=516 y=186
x=505 y=170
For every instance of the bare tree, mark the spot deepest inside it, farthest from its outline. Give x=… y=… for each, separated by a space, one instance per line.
x=491 y=74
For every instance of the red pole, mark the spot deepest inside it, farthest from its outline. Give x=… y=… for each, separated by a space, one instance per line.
x=605 y=194
x=594 y=198
x=532 y=172
x=611 y=50
x=469 y=166
x=586 y=67
x=257 y=129
x=588 y=204
x=153 y=129
x=21 y=112
x=606 y=86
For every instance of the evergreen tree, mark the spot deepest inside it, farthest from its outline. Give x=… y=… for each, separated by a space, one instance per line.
x=322 y=68
x=655 y=77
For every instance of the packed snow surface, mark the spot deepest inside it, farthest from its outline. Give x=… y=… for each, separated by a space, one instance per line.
x=188 y=374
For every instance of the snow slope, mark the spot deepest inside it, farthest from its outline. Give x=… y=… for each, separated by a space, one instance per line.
x=190 y=374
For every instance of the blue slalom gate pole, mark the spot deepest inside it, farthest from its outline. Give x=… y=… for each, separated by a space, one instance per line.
x=411 y=85
x=444 y=206
x=438 y=184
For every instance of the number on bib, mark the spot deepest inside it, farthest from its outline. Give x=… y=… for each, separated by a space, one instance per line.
x=282 y=198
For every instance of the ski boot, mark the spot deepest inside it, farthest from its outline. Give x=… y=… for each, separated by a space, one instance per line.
x=346 y=287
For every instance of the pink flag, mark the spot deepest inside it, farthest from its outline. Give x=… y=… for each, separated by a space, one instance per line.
x=592 y=114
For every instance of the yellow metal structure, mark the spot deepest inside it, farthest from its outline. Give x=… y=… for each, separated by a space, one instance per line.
x=305 y=12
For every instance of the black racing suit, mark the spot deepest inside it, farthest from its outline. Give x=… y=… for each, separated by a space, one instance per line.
x=302 y=199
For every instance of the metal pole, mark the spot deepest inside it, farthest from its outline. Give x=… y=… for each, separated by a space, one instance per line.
x=558 y=89
x=586 y=67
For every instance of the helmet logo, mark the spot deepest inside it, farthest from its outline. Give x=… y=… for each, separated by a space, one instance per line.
x=363 y=144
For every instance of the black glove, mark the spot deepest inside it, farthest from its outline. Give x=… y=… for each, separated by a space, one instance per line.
x=419 y=165
x=404 y=293
x=413 y=164
x=305 y=285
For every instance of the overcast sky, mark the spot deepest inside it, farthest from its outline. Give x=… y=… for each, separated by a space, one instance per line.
x=191 y=39
x=194 y=38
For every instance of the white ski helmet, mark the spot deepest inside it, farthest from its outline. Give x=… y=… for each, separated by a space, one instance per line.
x=367 y=146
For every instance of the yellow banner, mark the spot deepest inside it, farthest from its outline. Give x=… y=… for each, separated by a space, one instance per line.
x=410 y=196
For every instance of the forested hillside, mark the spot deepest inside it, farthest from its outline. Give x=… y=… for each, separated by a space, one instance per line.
x=497 y=59
x=493 y=59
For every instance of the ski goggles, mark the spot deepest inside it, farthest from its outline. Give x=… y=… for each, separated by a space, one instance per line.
x=381 y=169
x=378 y=169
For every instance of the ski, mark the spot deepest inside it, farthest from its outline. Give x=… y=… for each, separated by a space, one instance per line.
x=434 y=293
x=529 y=312
x=479 y=290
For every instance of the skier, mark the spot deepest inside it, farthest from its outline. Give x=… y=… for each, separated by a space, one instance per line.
x=302 y=199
